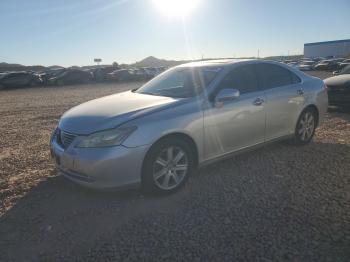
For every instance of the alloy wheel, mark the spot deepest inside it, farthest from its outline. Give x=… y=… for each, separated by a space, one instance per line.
x=170 y=167
x=306 y=126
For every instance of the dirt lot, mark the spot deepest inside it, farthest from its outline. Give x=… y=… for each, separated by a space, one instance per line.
x=279 y=203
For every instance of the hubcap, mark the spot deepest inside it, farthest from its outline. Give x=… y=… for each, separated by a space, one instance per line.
x=170 y=168
x=306 y=126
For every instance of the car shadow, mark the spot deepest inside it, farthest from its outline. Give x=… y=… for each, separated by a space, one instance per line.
x=285 y=183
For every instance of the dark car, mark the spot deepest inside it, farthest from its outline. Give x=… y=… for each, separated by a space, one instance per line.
x=100 y=74
x=18 y=79
x=71 y=76
x=338 y=88
x=345 y=70
x=46 y=75
x=327 y=65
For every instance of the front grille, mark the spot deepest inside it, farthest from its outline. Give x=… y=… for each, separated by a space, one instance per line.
x=64 y=138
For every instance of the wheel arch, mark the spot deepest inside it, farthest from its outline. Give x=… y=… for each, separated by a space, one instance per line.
x=177 y=135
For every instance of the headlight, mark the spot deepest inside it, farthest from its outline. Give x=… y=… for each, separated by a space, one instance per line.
x=111 y=137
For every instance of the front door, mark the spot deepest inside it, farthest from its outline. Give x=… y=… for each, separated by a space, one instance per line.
x=238 y=123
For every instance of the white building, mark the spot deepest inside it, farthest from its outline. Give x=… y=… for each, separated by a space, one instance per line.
x=338 y=48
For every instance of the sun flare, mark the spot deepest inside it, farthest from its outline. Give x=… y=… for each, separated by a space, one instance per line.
x=178 y=8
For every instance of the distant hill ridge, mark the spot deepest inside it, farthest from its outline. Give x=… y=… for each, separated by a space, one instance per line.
x=149 y=61
x=156 y=62
x=17 y=67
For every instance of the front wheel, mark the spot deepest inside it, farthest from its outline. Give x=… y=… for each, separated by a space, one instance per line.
x=305 y=128
x=167 y=166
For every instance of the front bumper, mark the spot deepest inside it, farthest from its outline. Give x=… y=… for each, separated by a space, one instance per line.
x=100 y=168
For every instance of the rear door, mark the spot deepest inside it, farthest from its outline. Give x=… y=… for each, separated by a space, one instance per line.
x=284 y=99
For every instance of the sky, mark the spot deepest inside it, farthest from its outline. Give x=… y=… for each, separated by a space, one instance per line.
x=74 y=32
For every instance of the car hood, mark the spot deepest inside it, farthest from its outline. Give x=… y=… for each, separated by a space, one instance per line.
x=340 y=80
x=110 y=112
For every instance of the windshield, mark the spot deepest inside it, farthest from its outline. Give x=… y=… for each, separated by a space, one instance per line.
x=180 y=82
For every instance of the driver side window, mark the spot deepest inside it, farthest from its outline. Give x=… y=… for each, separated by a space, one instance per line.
x=242 y=78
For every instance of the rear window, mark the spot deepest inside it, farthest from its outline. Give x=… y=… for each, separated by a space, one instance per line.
x=273 y=76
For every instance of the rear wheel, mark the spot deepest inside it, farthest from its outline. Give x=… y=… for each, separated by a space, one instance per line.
x=167 y=166
x=305 y=128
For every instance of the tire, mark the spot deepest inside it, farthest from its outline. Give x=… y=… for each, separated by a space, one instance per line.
x=167 y=166
x=305 y=128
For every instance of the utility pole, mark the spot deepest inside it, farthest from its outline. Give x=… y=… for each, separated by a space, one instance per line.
x=258 y=53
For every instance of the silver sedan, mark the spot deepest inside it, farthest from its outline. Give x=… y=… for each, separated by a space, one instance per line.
x=189 y=116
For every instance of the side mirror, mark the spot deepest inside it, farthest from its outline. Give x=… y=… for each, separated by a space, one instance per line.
x=226 y=95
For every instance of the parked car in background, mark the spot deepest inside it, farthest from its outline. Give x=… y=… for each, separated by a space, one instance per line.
x=289 y=61
x=71 y=76
x=46 y=75
x=326 y=65
x=123 y=75
x=316 y=59
x=306 y=65
x=100 y=74
x=344 y=63
x=189 y=116
x=141 y=74
x=294 y=65
x=338 y=88
x=119 y=75
x=345 y=70
x=153 y=71
x=18 y=79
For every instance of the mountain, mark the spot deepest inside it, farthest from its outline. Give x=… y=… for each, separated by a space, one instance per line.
x=55 y=67
x=18 y=67
x=152 y=61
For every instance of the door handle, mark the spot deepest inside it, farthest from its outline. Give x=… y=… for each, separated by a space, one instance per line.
x=258 y=102
x=300 y=92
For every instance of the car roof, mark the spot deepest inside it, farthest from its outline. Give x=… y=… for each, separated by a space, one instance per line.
x=218 y=62
x=228 y=62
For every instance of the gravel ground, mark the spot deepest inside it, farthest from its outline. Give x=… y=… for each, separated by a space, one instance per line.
x=279 y=203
